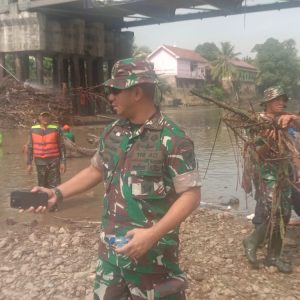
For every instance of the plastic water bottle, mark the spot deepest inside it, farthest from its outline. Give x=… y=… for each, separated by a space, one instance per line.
x=118 y=242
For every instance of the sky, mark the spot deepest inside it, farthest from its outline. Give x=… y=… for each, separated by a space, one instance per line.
x=242 y=31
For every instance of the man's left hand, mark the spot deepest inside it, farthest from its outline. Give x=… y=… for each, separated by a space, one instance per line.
x=141 y=240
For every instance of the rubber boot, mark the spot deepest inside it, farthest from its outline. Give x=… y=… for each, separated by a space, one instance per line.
x=274 y=255
x=252 y=242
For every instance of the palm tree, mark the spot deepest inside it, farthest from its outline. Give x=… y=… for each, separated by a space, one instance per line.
x=222 y=68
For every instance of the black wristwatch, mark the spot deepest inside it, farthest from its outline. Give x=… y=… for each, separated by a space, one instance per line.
x=58 y=194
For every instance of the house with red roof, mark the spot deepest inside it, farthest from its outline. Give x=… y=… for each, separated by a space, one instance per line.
x=186 y=69
x=182 y=68
x=246 y=75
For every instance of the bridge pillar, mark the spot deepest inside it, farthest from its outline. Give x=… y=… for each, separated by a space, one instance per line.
x=98 y=70
x=82 y=72
x=39 y=67
x=22 y=66
x=58 y=70
x=89 y=71
x=2 y=63
x=65 y=72
x=75 y=78
x=110 y=64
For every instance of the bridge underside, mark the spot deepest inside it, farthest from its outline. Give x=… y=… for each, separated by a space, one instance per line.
x=83 y=38
x=130 y=13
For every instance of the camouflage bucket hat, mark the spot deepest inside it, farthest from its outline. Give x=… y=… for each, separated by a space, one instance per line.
x=129 y=72
x=272 y=93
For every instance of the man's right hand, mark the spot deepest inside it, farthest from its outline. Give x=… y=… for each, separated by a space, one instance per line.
x=29 y=169
x=51 y=200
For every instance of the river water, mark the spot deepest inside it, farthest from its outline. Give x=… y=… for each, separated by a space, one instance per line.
x=221 y=181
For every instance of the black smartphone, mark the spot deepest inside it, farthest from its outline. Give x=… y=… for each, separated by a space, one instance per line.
x=26 y=199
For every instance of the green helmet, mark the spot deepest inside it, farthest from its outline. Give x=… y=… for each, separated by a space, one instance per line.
x=131 y=71
x=272 y=93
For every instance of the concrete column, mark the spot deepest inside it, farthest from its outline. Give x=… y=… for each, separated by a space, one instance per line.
x=98 y=73
x=22 y=65
x=65 y=71
x=19 y=64
x=54 y=71
x=99 y=78
x=25 y=60
x=110 y=64
x=75 y=75
x=82 y=72
x=89 y=71
x=39 y=68
x=2 y=63
x=58 y=70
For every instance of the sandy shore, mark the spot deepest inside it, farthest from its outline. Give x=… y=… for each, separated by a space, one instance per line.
x=58 y=262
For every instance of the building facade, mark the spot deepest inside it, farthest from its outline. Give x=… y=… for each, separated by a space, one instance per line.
x=183 y=69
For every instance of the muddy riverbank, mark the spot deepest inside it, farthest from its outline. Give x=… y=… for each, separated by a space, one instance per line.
x=43 y=261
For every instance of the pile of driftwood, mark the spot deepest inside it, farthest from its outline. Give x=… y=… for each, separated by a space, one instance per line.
x=20 y=103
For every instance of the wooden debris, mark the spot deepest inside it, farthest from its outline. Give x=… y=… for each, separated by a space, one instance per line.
x=20 y=103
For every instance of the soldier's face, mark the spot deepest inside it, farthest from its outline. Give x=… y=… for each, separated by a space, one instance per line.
x=276 y=106
x=122 y=101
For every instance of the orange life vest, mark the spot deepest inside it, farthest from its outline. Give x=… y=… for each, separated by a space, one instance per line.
x=45 y=141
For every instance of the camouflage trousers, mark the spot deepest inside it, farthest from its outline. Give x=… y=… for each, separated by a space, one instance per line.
x=264 y=201
x=49 y=174
x=114 y=283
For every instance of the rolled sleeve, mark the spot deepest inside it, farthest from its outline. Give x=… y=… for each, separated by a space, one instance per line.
x=186 y=181
x=182 y=165
x=97 y=162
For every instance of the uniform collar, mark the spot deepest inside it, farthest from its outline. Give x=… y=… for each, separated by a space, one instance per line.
x=155 y=122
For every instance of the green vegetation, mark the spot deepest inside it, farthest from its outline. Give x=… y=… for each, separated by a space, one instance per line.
x=141 y=52
x=278 y=65
x=222 y=67
x=208 y=50
x=225 y=77
x=213 y=91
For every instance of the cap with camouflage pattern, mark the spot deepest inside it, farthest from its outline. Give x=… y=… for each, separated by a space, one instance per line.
x=131 y=71
x=272 y=93
x=44 y=112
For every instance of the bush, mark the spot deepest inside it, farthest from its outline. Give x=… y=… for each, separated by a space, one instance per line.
x=177 y=102
x=213 y=91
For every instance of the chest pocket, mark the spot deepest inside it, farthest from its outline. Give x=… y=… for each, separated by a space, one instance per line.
x=147 y=185
x=147 y=168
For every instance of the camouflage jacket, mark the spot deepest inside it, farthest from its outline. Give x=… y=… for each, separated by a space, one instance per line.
x=145 y=169
x=269 y=162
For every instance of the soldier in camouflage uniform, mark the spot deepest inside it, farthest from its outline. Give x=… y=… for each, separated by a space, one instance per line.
x=151 y=185
x=270 y=175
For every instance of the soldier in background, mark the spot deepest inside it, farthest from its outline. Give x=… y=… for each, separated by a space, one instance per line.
x=272 y=179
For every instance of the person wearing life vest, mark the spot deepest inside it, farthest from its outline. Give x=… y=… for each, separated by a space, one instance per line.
x=46 y=147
